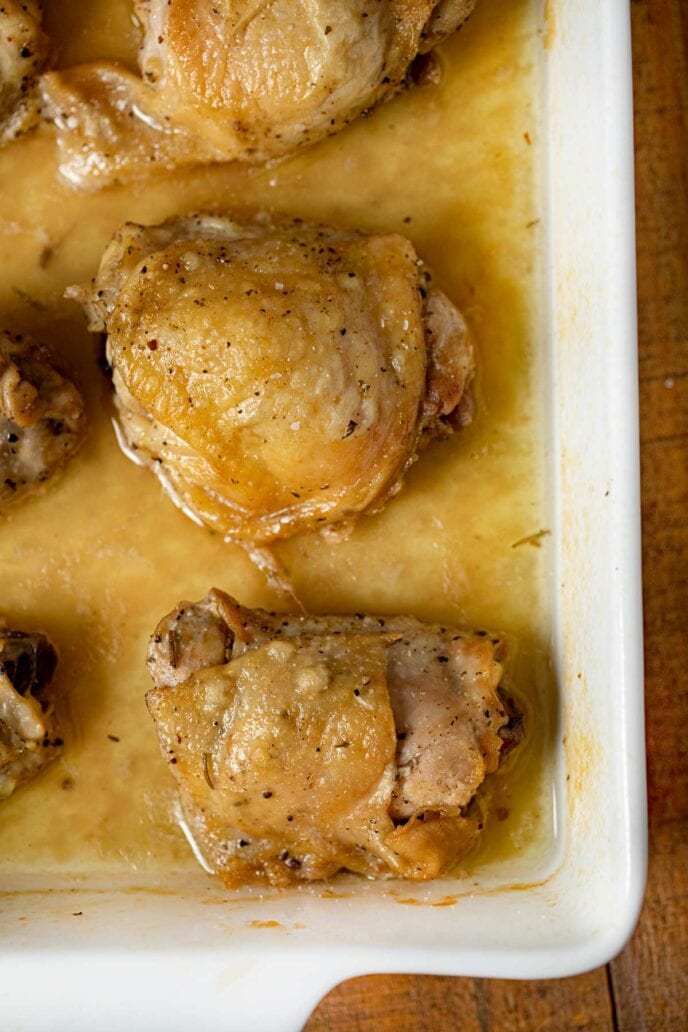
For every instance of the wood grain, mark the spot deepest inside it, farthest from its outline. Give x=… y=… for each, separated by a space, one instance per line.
x=409 y=1003
x=404 y=1003
x=646 y=988
x=661 y=88
x=650 y=978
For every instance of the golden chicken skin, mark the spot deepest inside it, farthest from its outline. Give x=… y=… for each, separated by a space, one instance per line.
x=42 y=418
x=24 y=52
x=277 y=376
x=27 y=741
x=302 y=745
x=249 y=80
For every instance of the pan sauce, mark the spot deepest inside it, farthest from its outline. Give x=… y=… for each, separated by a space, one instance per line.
x=96 y=560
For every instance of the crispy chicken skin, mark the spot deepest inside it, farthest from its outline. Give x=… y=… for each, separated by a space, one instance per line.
x=27 y=743
x=302 y=745
x=277 y=376
x=42 y=418
x=250 y=80
x=24 y=52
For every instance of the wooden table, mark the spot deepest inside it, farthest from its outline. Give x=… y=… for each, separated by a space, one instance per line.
x=646 y=988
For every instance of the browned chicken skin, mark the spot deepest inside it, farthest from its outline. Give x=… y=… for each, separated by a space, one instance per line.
x=278 y=376
x=248 y=80
x=42 y=418
x=24 y=52
x=306 y=744
x=27 y=742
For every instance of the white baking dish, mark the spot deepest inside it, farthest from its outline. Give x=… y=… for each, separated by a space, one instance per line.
x=104 y=957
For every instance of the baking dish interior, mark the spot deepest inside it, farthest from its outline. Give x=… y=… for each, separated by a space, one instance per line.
x=173 y=947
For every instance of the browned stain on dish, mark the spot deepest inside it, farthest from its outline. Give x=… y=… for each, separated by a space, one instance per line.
x=265 y=924
x=582 y=753
x=550 y=25
x=473 y=890
x=533 y=539
x=447 y=901
x=123 y=890
x=215 y=901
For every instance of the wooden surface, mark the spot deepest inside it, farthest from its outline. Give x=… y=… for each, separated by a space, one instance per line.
x=646 y=988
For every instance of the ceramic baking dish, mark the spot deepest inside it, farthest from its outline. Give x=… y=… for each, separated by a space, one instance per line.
x=120 y=957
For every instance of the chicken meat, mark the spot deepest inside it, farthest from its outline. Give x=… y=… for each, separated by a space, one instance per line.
x=302 y=745
x=27 y=739
x=249 y=80
x=24 y=52
x=42 y=417
x=277 y=376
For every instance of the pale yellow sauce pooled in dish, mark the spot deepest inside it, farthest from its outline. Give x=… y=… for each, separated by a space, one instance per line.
x=102 y=554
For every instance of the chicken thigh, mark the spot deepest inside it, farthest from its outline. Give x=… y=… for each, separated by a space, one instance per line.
x=277 y=376
x=27 y=743
x=302 y=744
x=24 y=52
x=251 y=80
x=42 y=418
